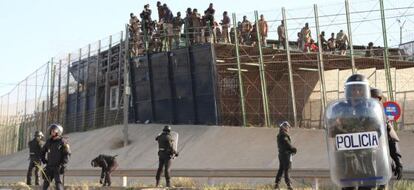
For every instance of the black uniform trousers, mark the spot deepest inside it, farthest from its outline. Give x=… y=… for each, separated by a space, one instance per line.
x=284 y=166
x=106 y=174
x=164 y=163
x=32 y=165
x=52 y=173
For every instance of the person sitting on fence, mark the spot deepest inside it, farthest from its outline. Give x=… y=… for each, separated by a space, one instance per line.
x=160 y=9
x=217 y=33
x=155 y=44
x=133 y=23
x=370 y=50
x=299 y=41
x=196 y=23
x=342 y=42
x=281 y=34
x=323 y=41
x=225 y=24
x=263 y=30
x=332 y=43
x=146 y=20
x=246 y=28
x=188 y=26
x=311 y=47
x=205 y=28
x=306 y=34
x=168 y=27
x=253 y=36
x=209 y=16
x=177 y=25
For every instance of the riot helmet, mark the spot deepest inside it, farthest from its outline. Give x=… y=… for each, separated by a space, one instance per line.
x=376 y=93
x=55 y=127
x=357 y=87
x=284 y=125
x=167 y=128
x=38 y=134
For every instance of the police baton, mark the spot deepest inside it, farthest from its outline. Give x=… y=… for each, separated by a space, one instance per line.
x=63 y=175
x=42 y=171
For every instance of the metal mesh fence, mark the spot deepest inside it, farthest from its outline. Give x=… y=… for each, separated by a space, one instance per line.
x=259 y=83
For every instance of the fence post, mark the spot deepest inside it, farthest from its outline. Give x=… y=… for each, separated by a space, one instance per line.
x=239 y=73
x=66 y=119
x=127 y=90
x=7 y=112
x=108 y=68
x=320 y=61
x=85 y=89
x=119 y=64
x=262 y=74
x=291 y=80
x=316 y=183
x=97 y=84
x=52 y=86
x=351 y=45
x=77 y=90
x=35 y=103
x=47 y=90
x=124 y=181
x=386 y=58
x=28 y=130
x=1 y=113
x=58 y=93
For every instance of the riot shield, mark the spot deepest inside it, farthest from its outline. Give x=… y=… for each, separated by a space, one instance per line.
x=357 y=143
x=174 y=136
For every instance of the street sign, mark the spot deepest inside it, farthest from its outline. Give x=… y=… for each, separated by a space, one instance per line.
x=392 y=110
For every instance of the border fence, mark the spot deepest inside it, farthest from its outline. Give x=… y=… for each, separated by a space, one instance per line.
x=259 y=82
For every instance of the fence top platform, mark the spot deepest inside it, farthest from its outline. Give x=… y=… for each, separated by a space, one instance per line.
x=277 y=58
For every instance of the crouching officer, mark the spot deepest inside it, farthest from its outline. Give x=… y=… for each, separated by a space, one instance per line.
x=35 y=149
x=286 y=151
x=58 y=152
x=108 y=165
x=166 y=151
x=393 y=140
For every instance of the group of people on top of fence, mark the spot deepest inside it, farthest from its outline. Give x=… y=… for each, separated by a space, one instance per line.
x=307 y=44
x=165 y=34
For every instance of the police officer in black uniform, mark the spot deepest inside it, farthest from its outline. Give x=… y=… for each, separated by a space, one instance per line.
x=393 y=140
x=166 y=152
x=58 y=152
x=108 y=165
x=286 y=151
x=35 y=148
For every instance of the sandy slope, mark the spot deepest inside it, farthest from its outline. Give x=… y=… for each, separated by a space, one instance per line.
x=200 y=147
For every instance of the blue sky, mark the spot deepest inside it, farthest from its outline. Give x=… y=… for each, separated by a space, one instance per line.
x=33 y=31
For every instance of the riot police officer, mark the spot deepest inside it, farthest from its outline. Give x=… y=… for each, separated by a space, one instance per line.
x=58 y=152
x=35 y=148
x=286 y=151
x=108 y=165
x=166 y=152
x=357 y=146
x=392 y=140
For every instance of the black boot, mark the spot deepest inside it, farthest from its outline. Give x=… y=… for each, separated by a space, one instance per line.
x=168 y=183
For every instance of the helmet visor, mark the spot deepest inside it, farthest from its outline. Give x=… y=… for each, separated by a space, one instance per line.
x=356 y=90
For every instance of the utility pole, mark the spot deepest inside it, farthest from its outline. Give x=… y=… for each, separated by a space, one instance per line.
x=401 y=28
